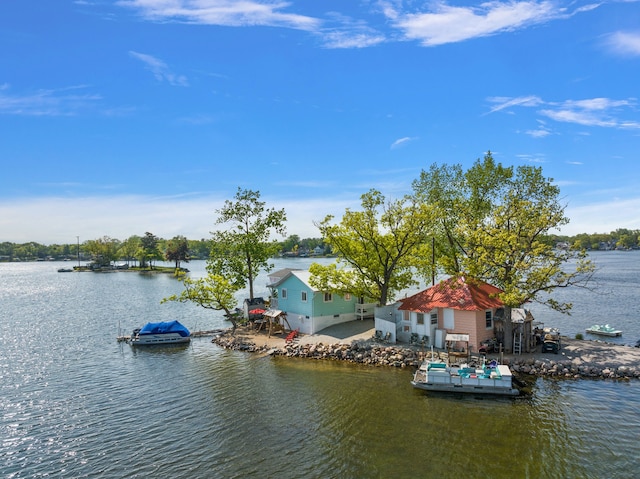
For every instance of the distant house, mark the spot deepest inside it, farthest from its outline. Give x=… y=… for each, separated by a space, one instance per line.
x=454 y=306
x=309 y=309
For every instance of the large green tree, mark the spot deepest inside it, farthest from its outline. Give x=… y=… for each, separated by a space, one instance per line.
x=502 y=218
x=103 y=250
x=129 y=248
x=241 y=250
x=148 y=251
x=177 y=250
x=377 y=247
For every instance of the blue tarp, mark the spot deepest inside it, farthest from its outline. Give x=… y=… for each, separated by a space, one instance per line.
x=165 y=327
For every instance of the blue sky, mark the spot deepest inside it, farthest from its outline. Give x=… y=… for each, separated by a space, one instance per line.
x=121 y=117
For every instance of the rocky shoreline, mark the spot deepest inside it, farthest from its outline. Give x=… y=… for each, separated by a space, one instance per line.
x=370 y=353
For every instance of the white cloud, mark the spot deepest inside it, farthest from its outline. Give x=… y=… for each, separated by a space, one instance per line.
x=160 y=69
x=444 y=23
x=223 y=12
x=624 y=43
x=59 y=220
x=603 y=217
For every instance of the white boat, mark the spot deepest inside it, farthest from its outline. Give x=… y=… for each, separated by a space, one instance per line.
x=495 y=379
x=604 y=330
x=168 y=332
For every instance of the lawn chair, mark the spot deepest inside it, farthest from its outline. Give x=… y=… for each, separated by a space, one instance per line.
x=291 y=336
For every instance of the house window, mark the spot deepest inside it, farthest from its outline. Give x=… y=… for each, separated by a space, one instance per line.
x=347 y=297
x=488 y=318
x=434 y=318
x=303 y=296
x=328 y=297
x=283 y=293
x=420 y=318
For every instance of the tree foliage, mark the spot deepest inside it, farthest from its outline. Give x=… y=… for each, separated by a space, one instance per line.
x=103 y=250
x=243 y=249
x=148 y=250
x=211 y=292
x=177 y=250
x=502 y=218
x=379 y=246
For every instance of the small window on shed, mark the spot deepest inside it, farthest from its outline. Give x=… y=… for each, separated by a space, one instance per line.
x=303 y=296
x=488 y=316
x=283 y=293
x=420 y=318
x=434 y=318
x=328 y=297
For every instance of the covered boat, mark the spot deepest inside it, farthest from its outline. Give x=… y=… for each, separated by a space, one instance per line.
x=167 y=332
x=604 y=330
x=494 y=379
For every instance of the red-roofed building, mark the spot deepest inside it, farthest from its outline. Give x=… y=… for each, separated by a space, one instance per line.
x=454 y=305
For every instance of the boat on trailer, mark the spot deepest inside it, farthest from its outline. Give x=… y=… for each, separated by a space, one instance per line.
x=492 y=378
x=604 y=330
x=167 y=332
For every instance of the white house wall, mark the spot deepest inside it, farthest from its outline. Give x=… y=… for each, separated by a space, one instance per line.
x=387 y=319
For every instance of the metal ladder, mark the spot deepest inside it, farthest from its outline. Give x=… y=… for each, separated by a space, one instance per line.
x=517 y=343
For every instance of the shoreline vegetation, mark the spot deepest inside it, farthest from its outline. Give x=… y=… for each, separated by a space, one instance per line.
x=578 y=358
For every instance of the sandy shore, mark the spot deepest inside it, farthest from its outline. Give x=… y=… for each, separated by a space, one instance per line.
x=599 y=354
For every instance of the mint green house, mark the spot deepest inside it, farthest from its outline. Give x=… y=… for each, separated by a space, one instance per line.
x=308 y=309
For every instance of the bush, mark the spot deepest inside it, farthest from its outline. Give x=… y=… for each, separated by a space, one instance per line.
x=579 y=336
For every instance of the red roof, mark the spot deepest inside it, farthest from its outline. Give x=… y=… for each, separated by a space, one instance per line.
x=454 y=293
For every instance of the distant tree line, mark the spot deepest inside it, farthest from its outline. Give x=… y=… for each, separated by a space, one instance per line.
x=143 y=249
x=620 y=239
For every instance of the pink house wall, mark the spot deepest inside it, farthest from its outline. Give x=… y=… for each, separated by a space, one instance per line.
x=472 y=323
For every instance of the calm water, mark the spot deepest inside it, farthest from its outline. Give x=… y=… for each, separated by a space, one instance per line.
x=77 y=404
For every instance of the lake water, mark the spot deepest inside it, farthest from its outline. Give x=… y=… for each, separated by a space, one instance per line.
x=77 y=404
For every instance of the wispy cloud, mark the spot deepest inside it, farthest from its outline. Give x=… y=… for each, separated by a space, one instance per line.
x=624 y=43
x=402 y=142
x=542 y=131
x=533 y=158
x=160 y=69
x=443 y=23
x=351 y=39
x=223 y=12
x=341 y=31
x=59 y=219
x=592 y=112
x=601 y=112
x=59 y=102
x=505 y=103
